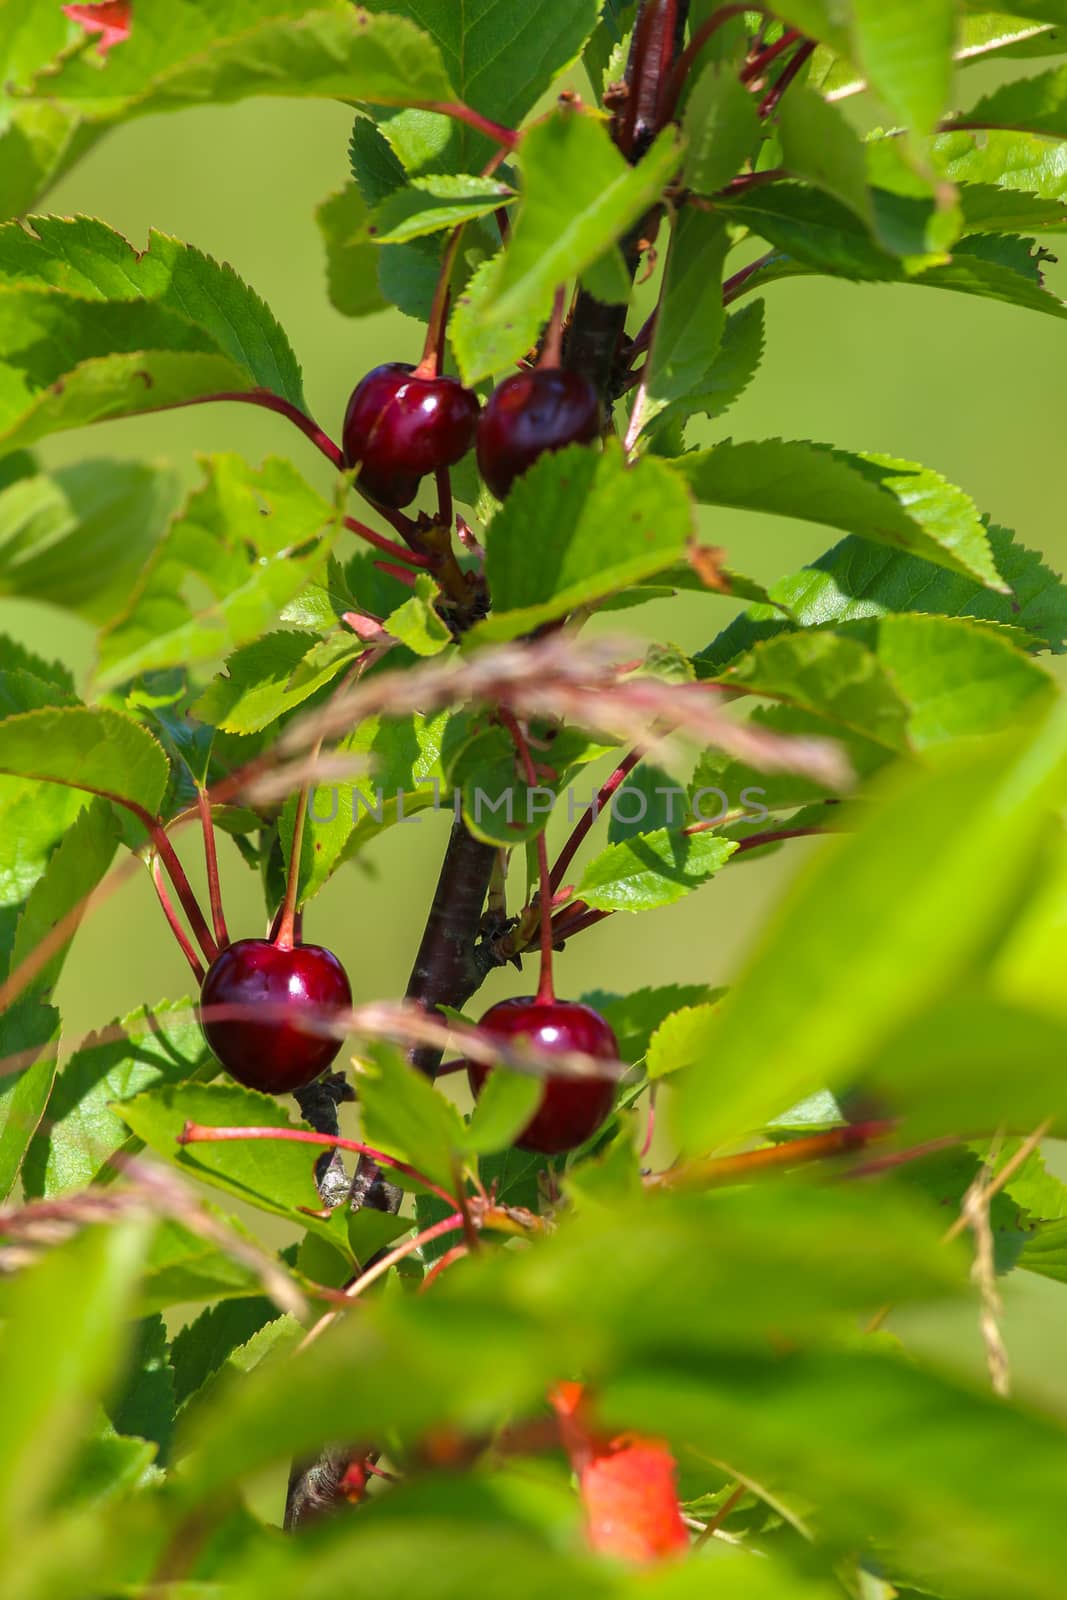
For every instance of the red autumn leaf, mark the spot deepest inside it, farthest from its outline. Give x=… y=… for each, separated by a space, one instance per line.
x=111 y=19
x=627 y=1485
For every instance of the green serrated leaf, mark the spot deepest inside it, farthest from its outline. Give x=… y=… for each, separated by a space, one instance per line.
x=812 y=232
x=250 y=563
x=722 y=129
x=857 y=579
x=205 y=1344
x=405 y=1116
x=963 y=833
x=182 y=1267
x=266 y=679
x=723 y=383
x=635 y=1017
x=505 y=1105
x=690 y=316
x=144 y=1407
x=90 y=748
x=906 y=52
x=1030 y=105
x=272 y=1175
x=119 y=333
x=832 y=677
x=821 y=147
x=498 y=59
x=181 y=55
x=152 y=1046
x=888 y=501
x=578 y=197
x=576 y=527
x=432 y=204
x=405 y=777
x=652 y=869
x=417 y=623
x=77 y=538
x=62 y=1347
x=681 y=1039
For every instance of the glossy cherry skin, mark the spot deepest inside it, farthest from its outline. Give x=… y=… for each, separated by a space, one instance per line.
x=571 y=1109
x=529 y=414
x=274 y=1055
x=399 y=427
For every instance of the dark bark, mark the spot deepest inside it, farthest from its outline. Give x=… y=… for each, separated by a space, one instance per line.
x=448 y=968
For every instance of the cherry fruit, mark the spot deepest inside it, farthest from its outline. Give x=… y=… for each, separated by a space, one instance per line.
x=400 y=426
x=571 y=1109
x=530 y=414
x=275 y=1055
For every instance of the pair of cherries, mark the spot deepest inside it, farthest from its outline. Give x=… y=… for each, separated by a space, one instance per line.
x=400 y=426
x=296 y=986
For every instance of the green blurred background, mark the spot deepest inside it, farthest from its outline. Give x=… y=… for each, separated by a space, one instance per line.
x=971 y=388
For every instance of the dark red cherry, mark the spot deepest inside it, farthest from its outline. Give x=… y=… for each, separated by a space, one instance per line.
x=529 y=414
x=571 y=1109
x=274 y=1054
x=399 y=427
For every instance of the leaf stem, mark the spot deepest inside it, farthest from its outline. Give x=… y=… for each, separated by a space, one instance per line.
x=201 y=1133
x=735 y=286
x=218 y=918
x=507 y=137
x=269 y=401
x=586 y=820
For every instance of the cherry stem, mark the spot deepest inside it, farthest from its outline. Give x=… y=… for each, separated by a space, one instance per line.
x=286 y=935
x=176 y=928
x=552 y=350
x=546 y=993
x=433 y=348
x=395 y=552
x=200 y=1133
x=586 y=820
x=176 y=873
x=785 y=78
x=218 y=918
x=284 y=408
x=718 y=1170
x=759 y=63
x=507 y=137
x=684 y=65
